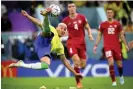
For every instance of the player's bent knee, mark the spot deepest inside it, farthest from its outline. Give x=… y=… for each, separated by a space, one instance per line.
x=111 y=61
x=76 y=64
x=83 y=65
x=119 y=63
x=46 y=60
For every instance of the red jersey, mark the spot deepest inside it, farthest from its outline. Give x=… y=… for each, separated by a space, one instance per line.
x=75 y=27
x=110 y=33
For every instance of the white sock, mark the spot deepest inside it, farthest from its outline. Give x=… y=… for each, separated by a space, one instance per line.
x=32 y=65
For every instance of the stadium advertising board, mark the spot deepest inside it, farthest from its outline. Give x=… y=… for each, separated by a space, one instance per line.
x=7 y=72
x=94 y=68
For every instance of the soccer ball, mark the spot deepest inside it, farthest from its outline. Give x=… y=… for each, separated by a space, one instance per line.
x=42 y=87
x=72 y=88
x=55 y=10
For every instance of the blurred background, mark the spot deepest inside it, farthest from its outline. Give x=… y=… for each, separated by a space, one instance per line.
x=18 y=33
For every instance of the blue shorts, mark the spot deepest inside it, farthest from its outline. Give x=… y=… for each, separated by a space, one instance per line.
x=43 y=46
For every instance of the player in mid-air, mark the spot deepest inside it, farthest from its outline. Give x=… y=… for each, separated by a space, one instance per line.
x=76 y=23
x=112 y=31
x=46 y=42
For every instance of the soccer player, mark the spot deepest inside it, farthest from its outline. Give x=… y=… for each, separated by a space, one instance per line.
x=46 y=42
x=76 y=38
x=111 y=31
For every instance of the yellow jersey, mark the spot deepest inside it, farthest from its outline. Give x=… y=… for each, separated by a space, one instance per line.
x=56 y=44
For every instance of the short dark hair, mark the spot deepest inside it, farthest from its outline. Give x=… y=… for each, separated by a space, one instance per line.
x=70 y=2
x=110 y=9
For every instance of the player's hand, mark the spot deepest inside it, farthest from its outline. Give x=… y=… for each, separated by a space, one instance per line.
x=127 y=47
x=95 y=49
x=91 y=38
x=24 y=13
x=77 y=75
x=130 y=45
x=46 y=11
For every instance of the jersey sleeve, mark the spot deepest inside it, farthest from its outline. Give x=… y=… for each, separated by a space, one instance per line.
x=84 y=19
x=100 y=28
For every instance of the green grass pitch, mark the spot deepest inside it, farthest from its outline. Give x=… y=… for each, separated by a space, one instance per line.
x=63 y=83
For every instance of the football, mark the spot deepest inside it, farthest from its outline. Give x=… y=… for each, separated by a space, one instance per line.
x=42 y=87
x=55 y=10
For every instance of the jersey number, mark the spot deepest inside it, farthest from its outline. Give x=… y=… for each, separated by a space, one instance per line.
x=111 y=31
x=76 y=26
x=70 y=50
x=108 y=53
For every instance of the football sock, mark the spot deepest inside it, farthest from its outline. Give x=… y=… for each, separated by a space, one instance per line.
x=38 y=65
x=120 y=69
x=78 y=71
x=112 y=72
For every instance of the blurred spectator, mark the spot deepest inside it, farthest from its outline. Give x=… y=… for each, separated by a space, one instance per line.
x=25 y=5
x=131 y=15
x=127 y=9
x=122 y=10
x=102 y=3
x=79 y=3
x=92 y=4
x=37 y=14
x=18 y=50
x=2 y=47
x=6 y=25
x=3 y=55
x=30 y=53
x=3 y=9
x=129 y=27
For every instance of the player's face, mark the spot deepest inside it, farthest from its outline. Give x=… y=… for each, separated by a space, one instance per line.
x=110 y=14
x=61 y=29
x=71 y=8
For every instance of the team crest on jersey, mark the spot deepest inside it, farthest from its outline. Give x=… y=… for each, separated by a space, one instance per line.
x=115 y=26
x=74 y=22
x=110 y=25
x=79 y=21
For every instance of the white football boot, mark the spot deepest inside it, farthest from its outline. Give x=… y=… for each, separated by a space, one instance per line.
x=114 y=84
x=121 y=80
x=16 y=64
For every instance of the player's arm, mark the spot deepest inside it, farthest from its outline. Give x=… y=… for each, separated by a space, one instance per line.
x=34 y=20
x=123 y=39
x=67 y=64
x=99 y=36
x=45 y=26
x=89 y=31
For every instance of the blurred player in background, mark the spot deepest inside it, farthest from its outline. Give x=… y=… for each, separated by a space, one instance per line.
x=111 y=31
x=76 y=38
x=46 y=42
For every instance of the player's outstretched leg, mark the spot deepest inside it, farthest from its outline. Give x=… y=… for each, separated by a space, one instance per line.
x=120 y=70
x=111 y=70
x=44 y=64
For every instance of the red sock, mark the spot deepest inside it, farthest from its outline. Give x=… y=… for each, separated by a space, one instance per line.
x=112 y=72
x=78 y=71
